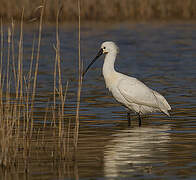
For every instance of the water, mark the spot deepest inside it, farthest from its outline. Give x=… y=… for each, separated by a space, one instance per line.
x=161 y=55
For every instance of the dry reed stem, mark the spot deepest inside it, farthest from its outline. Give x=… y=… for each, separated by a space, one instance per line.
x=79 y=82
x=17 y=110
x=28 y=88
x=54 y=90
x=2 y=40
x=57 y=65
x=13 y=52
x=62 y=96
x=8 y=59
x=61 y=115
x=1 y=82
x=7 y=76
x=37 y=63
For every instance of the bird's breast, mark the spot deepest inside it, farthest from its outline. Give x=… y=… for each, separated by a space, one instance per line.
x=111 y=82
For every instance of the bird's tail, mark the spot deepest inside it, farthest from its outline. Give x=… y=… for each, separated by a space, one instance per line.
x=166 y=112
x=162 y=102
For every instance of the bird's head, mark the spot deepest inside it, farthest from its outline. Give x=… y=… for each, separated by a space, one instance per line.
x=109 y=47
x=106 y=47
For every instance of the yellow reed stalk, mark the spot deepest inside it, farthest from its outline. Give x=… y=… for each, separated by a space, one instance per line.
x=1 y=48
x=79 y=83
x=59 y=73
x=37 y=63
x=13 y=52
x=28 y=90
x=7 y=76
x=19 y=79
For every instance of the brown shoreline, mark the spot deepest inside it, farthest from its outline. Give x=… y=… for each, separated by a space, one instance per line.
x=96 y=10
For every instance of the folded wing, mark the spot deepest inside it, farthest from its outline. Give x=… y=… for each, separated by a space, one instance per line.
x=134 y=91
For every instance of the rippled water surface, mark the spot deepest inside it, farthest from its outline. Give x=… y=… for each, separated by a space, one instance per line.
x=161 y=55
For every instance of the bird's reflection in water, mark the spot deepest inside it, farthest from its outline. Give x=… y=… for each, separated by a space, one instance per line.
x=135 y=150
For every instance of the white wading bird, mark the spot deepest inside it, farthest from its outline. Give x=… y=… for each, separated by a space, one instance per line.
x=129 y=91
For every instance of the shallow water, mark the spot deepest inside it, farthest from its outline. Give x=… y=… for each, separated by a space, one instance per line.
x=161 y=55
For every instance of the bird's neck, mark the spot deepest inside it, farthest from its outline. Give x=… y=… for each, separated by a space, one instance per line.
x=108 y=66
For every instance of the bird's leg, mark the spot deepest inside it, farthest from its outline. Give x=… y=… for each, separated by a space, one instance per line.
x=140 y=120
x=129 y=118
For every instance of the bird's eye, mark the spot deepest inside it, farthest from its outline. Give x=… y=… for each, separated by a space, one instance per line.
x=103 y=47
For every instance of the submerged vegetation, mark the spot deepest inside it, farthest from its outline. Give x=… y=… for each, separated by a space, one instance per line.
x=110 y=10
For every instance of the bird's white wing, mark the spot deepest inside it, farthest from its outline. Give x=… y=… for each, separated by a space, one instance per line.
x=134 y=91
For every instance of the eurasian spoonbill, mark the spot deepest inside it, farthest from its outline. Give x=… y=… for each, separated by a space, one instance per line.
x=129 y=91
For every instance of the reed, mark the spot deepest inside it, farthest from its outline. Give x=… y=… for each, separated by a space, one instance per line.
x=8 y=115
x=58 y=120
x=79 y=81
x=20 y=137
x=16 y=110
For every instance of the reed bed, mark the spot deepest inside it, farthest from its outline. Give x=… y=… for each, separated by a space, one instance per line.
x=93 y=10
x=20 y=137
